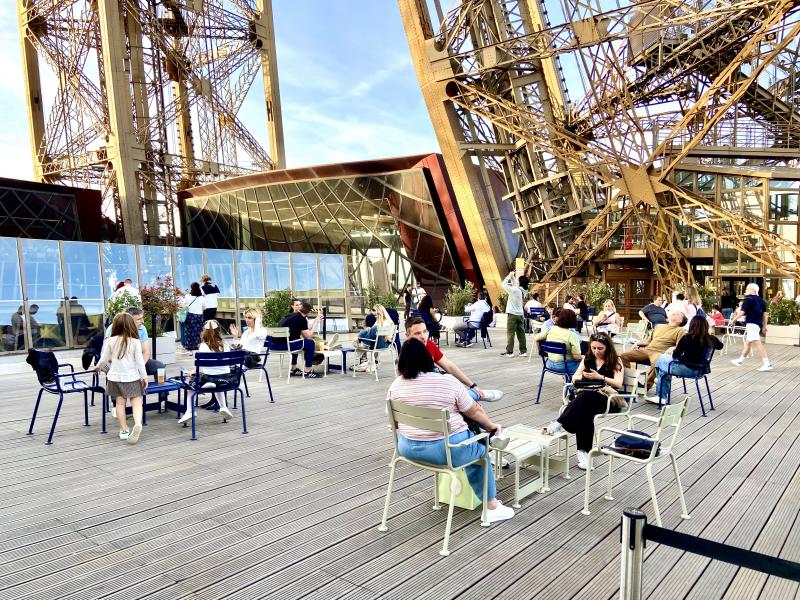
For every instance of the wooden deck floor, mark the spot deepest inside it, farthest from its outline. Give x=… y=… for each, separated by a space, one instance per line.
x=290 y=510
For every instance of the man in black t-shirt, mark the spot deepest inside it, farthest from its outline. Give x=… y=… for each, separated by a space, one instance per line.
x=754 y=310
x=301 y=335
x=654 y=313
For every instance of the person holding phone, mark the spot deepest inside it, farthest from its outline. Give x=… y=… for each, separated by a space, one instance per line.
x=603 y=367
x=608 y=320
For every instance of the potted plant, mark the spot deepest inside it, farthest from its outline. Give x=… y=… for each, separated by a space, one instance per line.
x=375 y=296
x=783 y=326
x=120 y=303
x=597 y=294
x=275 y=307
x=457 y=298
x=161 y=300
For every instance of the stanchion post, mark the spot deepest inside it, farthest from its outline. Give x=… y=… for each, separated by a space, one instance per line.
x=630 y=585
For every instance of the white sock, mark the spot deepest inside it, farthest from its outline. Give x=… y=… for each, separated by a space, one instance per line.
x=220 y=398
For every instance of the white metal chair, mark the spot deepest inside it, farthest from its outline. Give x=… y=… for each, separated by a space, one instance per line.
x=437 y=420
x=662 y=448
x=630 y=388
x=293 y=348
x=387 y=331
x=733 y=332
x=635 y=332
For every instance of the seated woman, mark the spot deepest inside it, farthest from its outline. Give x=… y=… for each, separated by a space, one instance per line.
x=366 y=339
x=608 y=320
x=601 y=365
x=689 y=351
x=716 y=314
x=252 y=337
x=563 y=332
x=419 y=385
x=430 y=315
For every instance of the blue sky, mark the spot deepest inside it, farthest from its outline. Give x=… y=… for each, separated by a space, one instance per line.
x=348 y=89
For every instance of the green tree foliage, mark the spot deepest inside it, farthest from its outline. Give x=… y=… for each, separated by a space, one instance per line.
x=275 y=307
x=457 y=298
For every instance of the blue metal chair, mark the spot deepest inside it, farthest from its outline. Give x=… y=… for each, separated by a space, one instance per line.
x=263 y=368
x=702 y=370
x=483 y=327
x=545 y=349
x=47 y=369
x=233 y=359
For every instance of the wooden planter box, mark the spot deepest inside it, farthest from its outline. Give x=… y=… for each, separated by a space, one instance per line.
x=784 y=335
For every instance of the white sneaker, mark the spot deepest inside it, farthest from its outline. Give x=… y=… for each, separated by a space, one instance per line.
x=501 y=513
x=507 y=354
x=226 y=412
x=521 y=355
x=583 y=459
x=186 y=417
x=765 y=367
x=123 y=435
x=492 y=395
x=554 y=428
x=737 y=362
x=651 y=399
x=135 y=433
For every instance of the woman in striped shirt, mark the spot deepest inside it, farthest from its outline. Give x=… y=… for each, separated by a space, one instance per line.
x=419 y=385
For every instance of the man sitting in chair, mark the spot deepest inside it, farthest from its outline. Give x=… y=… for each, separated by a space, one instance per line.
x=476 y=311
x=665 y=337
x=416 y=328
x=299 y=329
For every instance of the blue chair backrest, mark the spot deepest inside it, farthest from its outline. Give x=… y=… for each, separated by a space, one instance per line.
x=591 y=311
x=708 y=356
x=546 y=348
x=539 y=314
x=234 y=358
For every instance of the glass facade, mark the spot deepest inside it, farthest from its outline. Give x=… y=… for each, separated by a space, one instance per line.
x=53 y=293
x=388 y=225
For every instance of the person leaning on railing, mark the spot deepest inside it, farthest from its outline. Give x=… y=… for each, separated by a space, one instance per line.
x=419 y=385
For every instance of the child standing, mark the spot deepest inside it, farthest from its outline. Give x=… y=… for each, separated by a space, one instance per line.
x=126 y=377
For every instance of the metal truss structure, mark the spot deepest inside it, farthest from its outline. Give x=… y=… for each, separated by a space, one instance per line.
x=588 y=106
x=141 y=99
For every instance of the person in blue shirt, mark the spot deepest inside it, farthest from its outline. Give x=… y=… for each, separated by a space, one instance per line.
x=754 y=310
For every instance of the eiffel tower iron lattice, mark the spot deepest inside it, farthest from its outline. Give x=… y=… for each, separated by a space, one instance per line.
x=589 y=108
x=141 y=99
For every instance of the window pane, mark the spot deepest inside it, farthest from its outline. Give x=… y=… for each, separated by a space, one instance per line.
x=685 y=179
x=155 y=261
x=85 y=289
x=219 y=265
x=278 y=277
x=119 y=264
x=45 y=289
x=188 y=266
x=783 y=206
x=331 y=275
x=11 y=309
x=250 y=274
x=304 y=267
x=705 y=182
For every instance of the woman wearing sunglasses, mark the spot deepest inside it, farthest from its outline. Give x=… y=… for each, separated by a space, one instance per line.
x=601 y=366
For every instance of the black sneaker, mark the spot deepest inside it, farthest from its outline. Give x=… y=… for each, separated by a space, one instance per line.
x=296 y=373
x=313 y=375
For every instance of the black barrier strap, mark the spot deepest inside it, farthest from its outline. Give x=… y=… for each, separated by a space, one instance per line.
x=729 y=554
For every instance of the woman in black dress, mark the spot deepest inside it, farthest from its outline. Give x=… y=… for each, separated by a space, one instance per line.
x=603 y=366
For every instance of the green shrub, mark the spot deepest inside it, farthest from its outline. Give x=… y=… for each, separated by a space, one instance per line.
x=120 y=303
x=597 y=294
x=275 y=307
x=375 y=296
x=162 y=299
x=784 y=312
x=502 y=300
x=708 y=294
x=457 y=298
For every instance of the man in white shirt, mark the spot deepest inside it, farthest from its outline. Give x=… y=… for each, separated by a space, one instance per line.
x=417 y=294
x=678 y=304
x=532 y=303
x=476 y=311
x=515 y=288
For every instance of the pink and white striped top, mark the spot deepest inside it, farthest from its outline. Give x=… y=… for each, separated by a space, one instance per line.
x=432 y=390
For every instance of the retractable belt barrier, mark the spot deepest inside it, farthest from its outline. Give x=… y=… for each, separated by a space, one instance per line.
x=635 y=532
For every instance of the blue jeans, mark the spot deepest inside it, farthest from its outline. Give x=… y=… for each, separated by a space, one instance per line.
x=664 y=381
x=558 y=365
x=433 y=452
x=308 y=350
